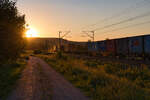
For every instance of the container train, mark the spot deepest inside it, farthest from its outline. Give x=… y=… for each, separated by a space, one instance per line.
x=75 y=48
x=137 y=46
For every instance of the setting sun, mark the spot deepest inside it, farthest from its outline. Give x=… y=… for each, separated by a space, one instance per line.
x=31 y=33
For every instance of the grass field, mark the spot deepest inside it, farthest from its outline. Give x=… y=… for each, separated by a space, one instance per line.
x=102 y=80
x=9 y=73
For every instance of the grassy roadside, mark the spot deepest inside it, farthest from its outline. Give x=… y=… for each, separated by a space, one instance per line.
x=9 y=73
x=104 y=81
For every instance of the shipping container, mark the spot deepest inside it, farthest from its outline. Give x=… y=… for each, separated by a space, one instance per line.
x=147 y=44
x=122 y=47
x=101 y=46
x=70 y=48
x=111 y=47
x=92 y=46
x=136 y=45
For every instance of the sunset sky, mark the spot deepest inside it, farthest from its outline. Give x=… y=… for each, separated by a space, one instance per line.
x=48 y=17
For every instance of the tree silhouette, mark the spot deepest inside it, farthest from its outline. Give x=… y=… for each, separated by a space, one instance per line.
x=12 y=27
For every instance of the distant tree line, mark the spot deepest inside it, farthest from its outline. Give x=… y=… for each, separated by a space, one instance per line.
x=12 y=27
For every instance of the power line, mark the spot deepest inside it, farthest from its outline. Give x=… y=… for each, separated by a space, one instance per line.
x=66 y=33
x=120 y=13
x=61 y=37
x=91 y=36
x=124 y=21
x=134 y=25
x=121 y=22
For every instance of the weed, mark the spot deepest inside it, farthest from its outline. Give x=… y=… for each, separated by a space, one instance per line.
x=9 y=74
x=103 y=80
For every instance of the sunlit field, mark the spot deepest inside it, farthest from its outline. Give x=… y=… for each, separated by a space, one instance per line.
x=103 y=80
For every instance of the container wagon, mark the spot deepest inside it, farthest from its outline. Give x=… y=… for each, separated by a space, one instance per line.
x=122 y=47
x=147 y=46
x=102 y=48
x=136 y=46
x=92 y=48
x=111 y=47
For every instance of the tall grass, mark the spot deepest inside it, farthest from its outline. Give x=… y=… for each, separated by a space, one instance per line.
x=9 y=73
x=104 y=81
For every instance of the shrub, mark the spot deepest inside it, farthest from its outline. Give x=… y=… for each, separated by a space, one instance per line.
x=60 y=55
x=9 y=74
x=37 y=52
x=91 y=64
x=105 y=81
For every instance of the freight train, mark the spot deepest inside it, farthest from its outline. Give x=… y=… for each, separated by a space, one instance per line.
x=137 y=46
x=75 y=48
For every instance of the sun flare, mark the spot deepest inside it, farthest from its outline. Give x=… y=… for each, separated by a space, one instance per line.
x=31 y=33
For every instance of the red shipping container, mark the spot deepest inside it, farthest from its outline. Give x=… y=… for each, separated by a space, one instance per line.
x=111 y=46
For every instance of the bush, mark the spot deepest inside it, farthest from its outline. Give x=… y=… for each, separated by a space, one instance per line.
x=105 y=81
x=91 y=64
x=37 y=52
x=9 y=74
x=60 y=55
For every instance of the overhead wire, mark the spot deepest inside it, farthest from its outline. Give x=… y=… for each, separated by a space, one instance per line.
x=129 y=26
x=124 y=21
x=120 y=13
x=67 y=32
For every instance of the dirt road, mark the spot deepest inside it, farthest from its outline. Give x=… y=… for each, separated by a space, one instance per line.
x=40 y=82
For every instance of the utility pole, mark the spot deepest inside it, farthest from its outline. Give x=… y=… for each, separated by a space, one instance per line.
x=59 y=45
x=65 y=33
x=88 y=33
x=93 y=32
x=91 y=36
